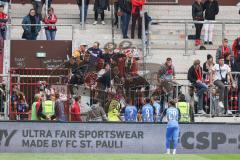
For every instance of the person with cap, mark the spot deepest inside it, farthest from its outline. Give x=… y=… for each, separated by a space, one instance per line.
x=50 y=30
x=226 y=51
x=207 y=68
x=219 y=78
x=187 y=114
x=81 y=51
x=195 y=76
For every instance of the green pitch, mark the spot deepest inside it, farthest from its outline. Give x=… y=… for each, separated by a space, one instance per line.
x=14 y=156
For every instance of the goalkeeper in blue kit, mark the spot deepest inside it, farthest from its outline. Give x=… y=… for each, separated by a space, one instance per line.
x=172 y=132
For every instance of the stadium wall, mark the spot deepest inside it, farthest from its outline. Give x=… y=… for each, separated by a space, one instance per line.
x=116 y=137
x=180 y=2
x=23 y=53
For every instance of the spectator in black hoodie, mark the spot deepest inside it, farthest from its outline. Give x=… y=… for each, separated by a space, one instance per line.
x=195 y=77
x=86 y=3
x=126 y=7
x=211 y=8
x=197 y=14
x=99 y=7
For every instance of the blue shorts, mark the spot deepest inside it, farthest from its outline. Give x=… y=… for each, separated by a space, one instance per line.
x=172 y=133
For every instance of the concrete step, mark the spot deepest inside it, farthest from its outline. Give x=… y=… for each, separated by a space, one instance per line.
x=156 y=11
x=181 y=62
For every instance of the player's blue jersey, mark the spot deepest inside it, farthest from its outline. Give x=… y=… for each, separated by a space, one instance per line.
x=130 y=114
x=157 y=108
x=147 y=113
x=173 y=115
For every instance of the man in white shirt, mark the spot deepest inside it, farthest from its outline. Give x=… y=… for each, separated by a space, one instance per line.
x=219 y=77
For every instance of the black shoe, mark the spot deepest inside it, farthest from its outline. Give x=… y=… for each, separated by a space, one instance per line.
x=125 y=37
x=115 y=23
x=205 y=43
x=210 y=43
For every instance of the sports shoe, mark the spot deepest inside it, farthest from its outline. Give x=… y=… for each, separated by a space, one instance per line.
x=201 y=112
x=174 y=152
x=168 y=152
x=220 y=104
x=103 y=23
x=95 y=22
x=229 y=112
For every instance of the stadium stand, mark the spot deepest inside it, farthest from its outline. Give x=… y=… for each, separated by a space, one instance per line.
x=166 y=36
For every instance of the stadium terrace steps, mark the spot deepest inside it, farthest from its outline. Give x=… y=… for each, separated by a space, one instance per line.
x=157 y=11
x=163 y=37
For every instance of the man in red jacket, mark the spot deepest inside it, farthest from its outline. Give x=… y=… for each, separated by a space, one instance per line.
x=3 y=21
x=136 y=17
x=75 y=111
x=236 y=47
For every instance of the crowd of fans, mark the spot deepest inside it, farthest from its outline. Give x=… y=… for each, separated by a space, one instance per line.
x=219 y=73
x=118 y=92
x=122 y=8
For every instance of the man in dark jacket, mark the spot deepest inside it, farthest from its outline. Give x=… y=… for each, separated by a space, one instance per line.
x=31 y=32
x=59 y=114
x=126 y=7
x=197 y=14
x=211 y=8
x=195 y=77
x=86 y=3
x=99 y=7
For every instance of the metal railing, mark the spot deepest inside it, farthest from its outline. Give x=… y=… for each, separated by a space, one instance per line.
x=63 y=32
x=154 y=2
x=180 y=31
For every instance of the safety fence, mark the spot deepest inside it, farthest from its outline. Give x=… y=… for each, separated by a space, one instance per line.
x=25 y=83
x=180 y=34
x=4 y=96
x=21 y=31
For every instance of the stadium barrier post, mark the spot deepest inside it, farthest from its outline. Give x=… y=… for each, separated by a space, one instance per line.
x=186 y=38
x=83 y=14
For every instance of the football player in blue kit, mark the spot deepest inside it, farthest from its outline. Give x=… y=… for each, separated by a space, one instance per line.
x=172 y=132
x=157 y=108
x=130 y=112
x=147 y=111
